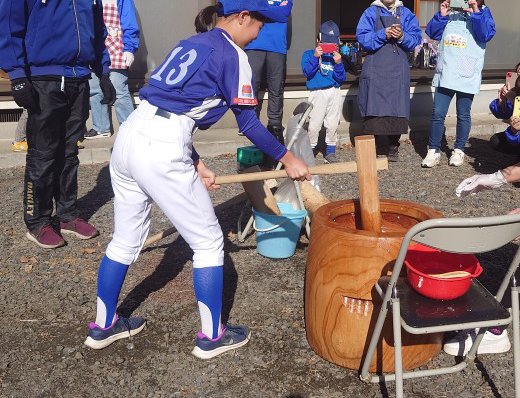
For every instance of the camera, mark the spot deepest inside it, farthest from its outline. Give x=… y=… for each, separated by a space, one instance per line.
x=459 y=4
x=328 y=48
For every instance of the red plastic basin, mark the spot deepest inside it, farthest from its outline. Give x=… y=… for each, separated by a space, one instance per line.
x=422 y=261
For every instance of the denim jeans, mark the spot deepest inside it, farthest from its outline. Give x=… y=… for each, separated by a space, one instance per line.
x=124 y=104
x=441 y=103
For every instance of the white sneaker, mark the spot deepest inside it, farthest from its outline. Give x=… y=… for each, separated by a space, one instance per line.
x=490 y=344
x=457 y=158
x=432 y=158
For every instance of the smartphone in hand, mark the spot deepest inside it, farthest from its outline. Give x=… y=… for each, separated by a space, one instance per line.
x=511 y=78
x=459 y=4
x=328 y=48
x=516 y=107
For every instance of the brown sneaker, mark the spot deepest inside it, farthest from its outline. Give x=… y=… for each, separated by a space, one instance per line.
x=78 y=227
x=46 y=237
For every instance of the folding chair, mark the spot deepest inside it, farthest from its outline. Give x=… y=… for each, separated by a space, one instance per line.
x=478 y=308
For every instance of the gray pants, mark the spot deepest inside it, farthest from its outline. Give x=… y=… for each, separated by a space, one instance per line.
x=21 y=127
x=269 y=68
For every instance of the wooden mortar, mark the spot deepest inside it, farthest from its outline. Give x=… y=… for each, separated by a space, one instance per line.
x=343 y=264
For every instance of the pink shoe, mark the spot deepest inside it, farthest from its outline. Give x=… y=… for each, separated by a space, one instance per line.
x=46 y=237
x=78 y=227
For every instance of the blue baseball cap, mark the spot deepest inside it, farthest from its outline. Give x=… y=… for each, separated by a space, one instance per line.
x=271 y=13
x=329 y=32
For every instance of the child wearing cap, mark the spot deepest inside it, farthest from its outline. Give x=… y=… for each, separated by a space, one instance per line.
x=325 y=73
x=153 y=161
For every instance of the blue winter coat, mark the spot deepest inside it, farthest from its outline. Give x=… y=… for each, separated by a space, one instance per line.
x=129 y=25
x=372 y=40
x=482 y=22
x=52 y=38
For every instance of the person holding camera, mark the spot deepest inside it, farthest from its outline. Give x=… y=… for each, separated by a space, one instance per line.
x=502 y=108
x=325 y=73
x=463 y=35
x=387 y=31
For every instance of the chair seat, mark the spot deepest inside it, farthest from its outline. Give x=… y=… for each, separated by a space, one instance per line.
x=418 y=312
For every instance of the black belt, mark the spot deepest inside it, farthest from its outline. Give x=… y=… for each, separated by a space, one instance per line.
x=163 y=113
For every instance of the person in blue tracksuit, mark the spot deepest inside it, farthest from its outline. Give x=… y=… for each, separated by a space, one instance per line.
x=267 y=56
x=49 y=48
x=387 y=31
x=507 y=141
x=122 y=43
x=153 y=161
x=325 y=73
x=463 y=36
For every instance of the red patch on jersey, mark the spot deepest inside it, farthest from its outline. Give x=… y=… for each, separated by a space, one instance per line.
x=245 y=101
x=247 y=91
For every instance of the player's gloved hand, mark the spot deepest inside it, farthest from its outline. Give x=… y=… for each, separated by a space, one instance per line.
x=128 y=57
x=477 y=183
x=109 y=92
x=295 y=168
x=24 y=94
x=207 y=176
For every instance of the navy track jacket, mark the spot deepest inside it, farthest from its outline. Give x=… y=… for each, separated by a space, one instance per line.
x=52 y=38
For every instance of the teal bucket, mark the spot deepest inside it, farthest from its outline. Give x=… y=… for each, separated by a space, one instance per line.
x=276 y=236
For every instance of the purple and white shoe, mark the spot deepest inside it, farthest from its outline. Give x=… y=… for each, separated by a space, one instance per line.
x=232 y=337
x=99 y=337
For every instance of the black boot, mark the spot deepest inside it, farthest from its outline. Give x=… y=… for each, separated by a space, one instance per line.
x=277 y=132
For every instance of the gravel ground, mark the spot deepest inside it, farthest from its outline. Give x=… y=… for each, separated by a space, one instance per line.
x=48 y=297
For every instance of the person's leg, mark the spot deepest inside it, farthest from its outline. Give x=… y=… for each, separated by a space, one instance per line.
x=21 y=127
x=45 y=136
x=319 y=100
x=275 y=78
x=257 y=60
x=441 y=104
x=124 y=105
x=331 y=123
x=66 y=192
x=100 y=117
x=464 y=102
x=132 y=209
x=499 y=143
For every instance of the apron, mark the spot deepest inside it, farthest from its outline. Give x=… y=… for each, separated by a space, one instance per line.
x=461 y=57
x=114 y=40
x=384 y=84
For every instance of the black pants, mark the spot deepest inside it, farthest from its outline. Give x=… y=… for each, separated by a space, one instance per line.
x=51 y=170
x=269 y=67
x=500 y=143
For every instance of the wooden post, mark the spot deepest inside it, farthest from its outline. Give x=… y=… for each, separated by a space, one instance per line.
x=370 y=211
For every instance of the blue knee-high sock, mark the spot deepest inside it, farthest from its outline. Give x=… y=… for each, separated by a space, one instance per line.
x=111 y=276
x=208 y=284
x=331 y=149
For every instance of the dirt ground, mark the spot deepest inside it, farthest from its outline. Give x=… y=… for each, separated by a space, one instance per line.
x=47 y=299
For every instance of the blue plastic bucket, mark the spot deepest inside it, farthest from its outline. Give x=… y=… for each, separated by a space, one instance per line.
x=276 y=236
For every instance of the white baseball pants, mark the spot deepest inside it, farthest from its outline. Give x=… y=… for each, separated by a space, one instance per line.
x=151 y=162
x=326 y=111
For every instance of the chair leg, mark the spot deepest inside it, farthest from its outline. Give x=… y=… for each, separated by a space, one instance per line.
x=516 y=338
x=398 y=352
x=373 y=343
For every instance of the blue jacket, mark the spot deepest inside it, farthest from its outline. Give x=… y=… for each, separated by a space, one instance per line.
x=372 y=40
x=483 y=25
x=501 y=112
x=316 y=80
x=129 y=25
x=273 y=36
x=52 y=38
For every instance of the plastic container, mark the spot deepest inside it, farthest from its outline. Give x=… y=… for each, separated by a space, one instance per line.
x=423 y=263
x=248 y=156
x=276 y=236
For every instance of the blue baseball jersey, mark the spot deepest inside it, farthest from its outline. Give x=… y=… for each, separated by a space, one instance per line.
x=202 y=77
